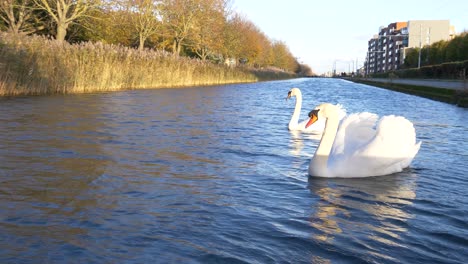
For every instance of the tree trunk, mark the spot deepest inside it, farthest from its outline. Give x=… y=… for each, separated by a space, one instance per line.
x=174 y=48
x=142 y=43
x=14 y=29
x=179 y=46
x=61 y=31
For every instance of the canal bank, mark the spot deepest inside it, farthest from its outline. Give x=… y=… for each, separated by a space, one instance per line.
x=36 y=65
x=448 y=91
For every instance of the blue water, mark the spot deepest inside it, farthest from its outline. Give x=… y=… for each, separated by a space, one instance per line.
x=212 y=175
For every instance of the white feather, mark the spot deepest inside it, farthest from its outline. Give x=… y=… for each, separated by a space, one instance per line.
x=360 y=148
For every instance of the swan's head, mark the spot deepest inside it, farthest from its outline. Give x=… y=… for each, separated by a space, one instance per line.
x=293 y=92
x=323 y=111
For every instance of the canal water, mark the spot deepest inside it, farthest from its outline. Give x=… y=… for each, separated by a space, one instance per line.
x=212 y=175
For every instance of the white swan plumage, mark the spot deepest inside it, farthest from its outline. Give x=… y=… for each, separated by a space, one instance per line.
x=357 y=147
x=295 y=125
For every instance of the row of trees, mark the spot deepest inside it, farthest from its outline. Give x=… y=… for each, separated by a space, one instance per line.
x=206 y=29
x=439 y=52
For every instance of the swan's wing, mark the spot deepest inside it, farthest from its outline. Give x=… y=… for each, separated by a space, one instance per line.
x=389 y=148
x=395 y=138
x=355 y=131
x=394 y=145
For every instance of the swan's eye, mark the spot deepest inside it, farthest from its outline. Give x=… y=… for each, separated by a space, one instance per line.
x=314 y=112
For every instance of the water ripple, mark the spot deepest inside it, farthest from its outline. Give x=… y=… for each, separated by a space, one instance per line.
x=211 y=174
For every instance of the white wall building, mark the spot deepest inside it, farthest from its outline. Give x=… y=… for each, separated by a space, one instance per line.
x=386 y=50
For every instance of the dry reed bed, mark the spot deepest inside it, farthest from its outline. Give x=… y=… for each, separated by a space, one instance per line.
x=31 y=65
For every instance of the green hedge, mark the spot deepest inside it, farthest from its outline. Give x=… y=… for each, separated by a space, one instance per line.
x=449 y=70
x=450 y=96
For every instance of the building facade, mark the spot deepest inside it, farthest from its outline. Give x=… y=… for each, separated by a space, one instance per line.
x=386 y=50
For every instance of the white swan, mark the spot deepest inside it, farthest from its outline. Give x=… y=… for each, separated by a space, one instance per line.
x=355 y=148
x=294 y=125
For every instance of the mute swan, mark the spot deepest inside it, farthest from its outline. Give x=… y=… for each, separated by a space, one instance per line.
x=294 y=125
x=355 y=148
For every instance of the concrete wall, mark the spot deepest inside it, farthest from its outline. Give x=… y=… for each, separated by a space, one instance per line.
x=428 y=31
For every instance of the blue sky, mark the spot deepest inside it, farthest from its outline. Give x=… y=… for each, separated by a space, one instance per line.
x=320 y=32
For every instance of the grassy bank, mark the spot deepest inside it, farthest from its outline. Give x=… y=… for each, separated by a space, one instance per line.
x=270 y=74
x=33 y=65
x=450 y=96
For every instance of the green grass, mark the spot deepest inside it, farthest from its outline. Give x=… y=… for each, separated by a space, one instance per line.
x=450 y=96
x=34 y=65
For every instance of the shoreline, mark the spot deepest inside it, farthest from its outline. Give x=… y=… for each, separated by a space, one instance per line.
x=35 y=65
x=120 y=89
x=437 y=90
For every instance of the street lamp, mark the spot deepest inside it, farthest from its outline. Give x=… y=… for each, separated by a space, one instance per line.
x=428 y=37
x=349 y=67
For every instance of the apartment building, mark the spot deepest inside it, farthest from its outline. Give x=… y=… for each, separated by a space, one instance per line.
x=386 y=50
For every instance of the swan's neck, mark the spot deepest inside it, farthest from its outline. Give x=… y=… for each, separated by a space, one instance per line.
x=329 y=133
x=318 y=164
x=297 y=111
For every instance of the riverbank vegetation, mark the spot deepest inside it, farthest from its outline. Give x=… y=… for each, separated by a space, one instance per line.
x=449 y=70
x=451 y=96
x=444 y=51
x=52 y=46
x=37 y=65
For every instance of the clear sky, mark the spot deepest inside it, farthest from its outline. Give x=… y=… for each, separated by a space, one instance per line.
x=320 y=32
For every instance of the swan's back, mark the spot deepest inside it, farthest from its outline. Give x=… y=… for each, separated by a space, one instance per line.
x=362 y=149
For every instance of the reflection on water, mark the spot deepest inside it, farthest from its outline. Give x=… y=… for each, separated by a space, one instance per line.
x=324 y=218
x=373 y=204
x=297 y=141
x=297 y=144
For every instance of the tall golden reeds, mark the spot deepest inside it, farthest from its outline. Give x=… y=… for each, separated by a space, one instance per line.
x=38 y=65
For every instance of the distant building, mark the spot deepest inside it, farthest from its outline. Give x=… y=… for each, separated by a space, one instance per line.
x=428 y=32
x=383 y=52
x=386 y=50
x=231 y=62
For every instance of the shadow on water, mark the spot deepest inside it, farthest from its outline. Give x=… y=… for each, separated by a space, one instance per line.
x=52 y=166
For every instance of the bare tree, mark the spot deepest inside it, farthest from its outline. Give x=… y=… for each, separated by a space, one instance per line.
x=18 y=16
x=144 y=18
x=207 y=37
x=178 y=21
x=65 y=12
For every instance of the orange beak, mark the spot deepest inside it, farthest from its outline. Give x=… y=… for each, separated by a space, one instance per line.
x=313 y=118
